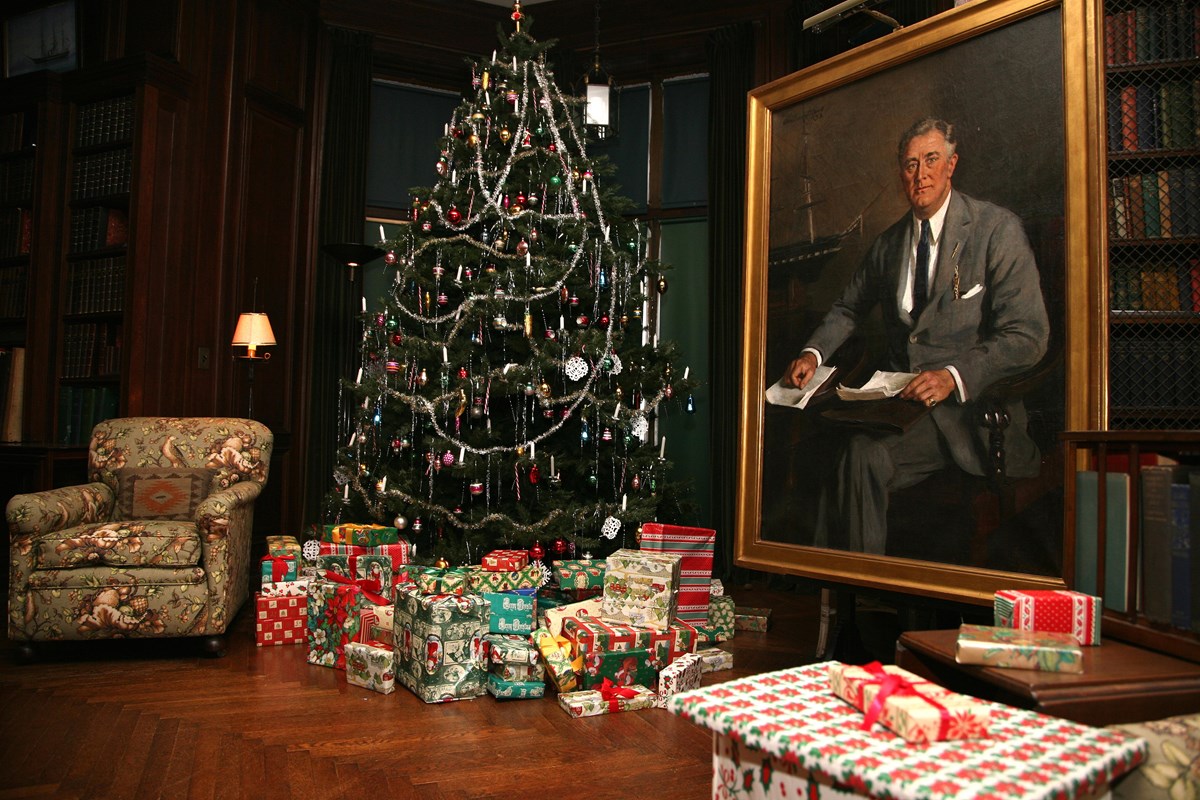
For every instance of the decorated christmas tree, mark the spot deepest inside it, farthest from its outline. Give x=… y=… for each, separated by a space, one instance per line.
x=510 y=388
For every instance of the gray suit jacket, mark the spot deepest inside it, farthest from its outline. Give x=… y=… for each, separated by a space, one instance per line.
x=997 y=332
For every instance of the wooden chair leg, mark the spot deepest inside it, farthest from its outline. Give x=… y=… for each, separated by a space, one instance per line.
x=24 y=652
x=213 y=646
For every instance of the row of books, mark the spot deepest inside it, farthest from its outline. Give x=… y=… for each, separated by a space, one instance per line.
x=1151 y=33
x=102 y=174
x=1169 y=287
x=96 y=286
x=1153 y=116
x=104 y=122
x=1155 y=205
x=1169 y=557
x=12 y=393
x=16 y=180
x=91 y=350
x=81 y=408
x=16 y=231
x=1148 y=371
x=94 y=227
x=18 y=130
x=14 y=286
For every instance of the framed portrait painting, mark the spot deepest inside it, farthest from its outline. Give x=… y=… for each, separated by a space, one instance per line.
x=1003 y=89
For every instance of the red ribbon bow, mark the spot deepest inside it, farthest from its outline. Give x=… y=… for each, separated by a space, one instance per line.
x=369 y=587
x=279 y=566
x=890 y=685
x=614 y=694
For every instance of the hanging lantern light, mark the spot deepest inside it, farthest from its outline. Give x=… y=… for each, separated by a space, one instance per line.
x=600 y=93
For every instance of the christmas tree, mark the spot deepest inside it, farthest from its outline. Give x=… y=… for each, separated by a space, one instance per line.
x=509 y=389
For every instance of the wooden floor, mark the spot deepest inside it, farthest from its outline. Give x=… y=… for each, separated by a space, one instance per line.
x=143 y=719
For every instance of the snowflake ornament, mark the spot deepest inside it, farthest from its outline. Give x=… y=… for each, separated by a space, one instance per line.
x=640 y=426
x=610 y=528
x=576 y=368
x=310 y=550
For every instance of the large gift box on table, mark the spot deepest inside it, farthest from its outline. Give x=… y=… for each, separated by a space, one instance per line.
x=371 y=666
x=694 y=546
x=640 y=588
x=608 y=699
x=911 y=706
x=784 y=734
x=439 y=644
x=1049 y=610
x=1006 y=647
x=589 y=634
x=334 y=607
x=361 y=535
x=280 y=620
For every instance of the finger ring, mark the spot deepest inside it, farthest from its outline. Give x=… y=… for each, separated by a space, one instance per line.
x=931 y=402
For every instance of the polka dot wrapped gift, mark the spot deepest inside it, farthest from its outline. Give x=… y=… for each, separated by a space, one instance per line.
x=1049 y=610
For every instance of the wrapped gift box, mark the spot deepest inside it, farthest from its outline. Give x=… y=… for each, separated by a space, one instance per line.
x=589 y=635
x=401 y=552
x=505 y=648
x=333 y=564
x=1007 y=647
x=773 y=723
x=505 y=560
x=276 y=569
x=433 y=580
x=622 y=667
x=552 y=597
x=334 y=606
x=439 y=644
x=640 y=588
x=580 y=575
x=381 y=634
x=371 y=666
x=361 y=535
x=914 y=708
x=722 y=619
x=1050 y=610
x=553 y=618
x=280 y=620
x=373 y=567
x=296 y=588
x=510 y=612
x=480 y=580
x=284 y=545
x=714 y=659
x=608 y=699
x=514 y=690
x=371 y=620
x=694 y=546
x=751 y=619
x=561 y=665
x=681 y=675
x=716 y=588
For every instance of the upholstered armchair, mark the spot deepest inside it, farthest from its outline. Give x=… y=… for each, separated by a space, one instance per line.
x=158 y=544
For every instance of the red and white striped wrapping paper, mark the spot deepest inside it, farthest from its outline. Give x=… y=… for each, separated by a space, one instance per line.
x=1051 y=610
x=694 y=546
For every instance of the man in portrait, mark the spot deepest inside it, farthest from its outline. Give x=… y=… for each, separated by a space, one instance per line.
x=959 y=298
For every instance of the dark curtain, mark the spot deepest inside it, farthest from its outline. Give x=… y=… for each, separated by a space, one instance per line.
x=340 y=218
x=731 y=76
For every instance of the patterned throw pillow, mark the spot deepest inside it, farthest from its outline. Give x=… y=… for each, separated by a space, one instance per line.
x=160 y=493
x=1173 y=769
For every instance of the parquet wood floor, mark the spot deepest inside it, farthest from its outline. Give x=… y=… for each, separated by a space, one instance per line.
x=150 y=719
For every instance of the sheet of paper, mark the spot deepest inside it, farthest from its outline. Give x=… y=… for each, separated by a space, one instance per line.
x=881 y=385
x=781 y=395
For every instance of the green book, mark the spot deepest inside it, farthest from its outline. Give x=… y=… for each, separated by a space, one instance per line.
x=1116 y=536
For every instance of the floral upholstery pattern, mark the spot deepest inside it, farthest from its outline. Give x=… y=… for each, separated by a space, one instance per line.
x=78 y=572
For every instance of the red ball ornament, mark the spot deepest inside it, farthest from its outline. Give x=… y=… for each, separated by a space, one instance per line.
x=582 y=320
x=537 y=552
x=552 y=147
x=476 y=488
x=559 y=548
x=462 y=372
x=380 y=320
x=397 y=339
x=454 y=215
x=389 y=257
x=604 y=320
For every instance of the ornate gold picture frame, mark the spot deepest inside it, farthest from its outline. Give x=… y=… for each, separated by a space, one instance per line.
x=1018 y=80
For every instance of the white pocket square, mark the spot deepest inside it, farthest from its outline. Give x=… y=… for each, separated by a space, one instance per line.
x=976 y=289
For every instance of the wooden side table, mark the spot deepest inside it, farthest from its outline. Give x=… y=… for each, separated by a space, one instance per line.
x=1120 y=682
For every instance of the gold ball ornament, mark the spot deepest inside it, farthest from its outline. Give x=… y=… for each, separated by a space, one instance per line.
x=441 y=563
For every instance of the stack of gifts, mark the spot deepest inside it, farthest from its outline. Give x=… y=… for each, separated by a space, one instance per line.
x=694 y=546
x=641 y=588
x=514 y=666
x=439 y=644
x=281 y=605
x=335 y=604
x=913 y=708
x=1034 y=629
x=343 y=549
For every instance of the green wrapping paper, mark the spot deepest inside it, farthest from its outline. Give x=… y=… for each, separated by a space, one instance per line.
x=622 y=667
x=439 y=644
x=371 y=667
x=515 y=690
x=480 y=580
x=608 y=699
x=561 y=665
x=334 y=615
x=722 y=619
x=432 y=580
x=577 y=574
x=510 y=613
x=640 y=588
x=362 y=535
x=1050 y=651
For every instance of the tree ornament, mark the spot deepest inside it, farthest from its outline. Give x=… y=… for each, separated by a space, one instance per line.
x=610 y=528
x=582 y=320
x=559 y=548
x=380 y=320
x=462 y=373
x=584 y=434
x=443 y=167
x=545 y=390
x=690 y=406
x=505 y=133
x=400 y=522
x=392 y=366
x=606 y=435
x=576 y=368
x=662 y=285
x=635 y=482
x=447 y=459
x=537 y=552
x=477 y=408
x=593 y=480
x=441 y=563
x=417 y=525
x=475 y=488
x=454 y=215
x=311 y=550
x=389 y=257
x=397 y=339
x=535 y=474
x=668 y=391
x=522 y=247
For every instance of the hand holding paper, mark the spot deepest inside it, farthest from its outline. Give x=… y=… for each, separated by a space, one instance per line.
x=783 y=395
